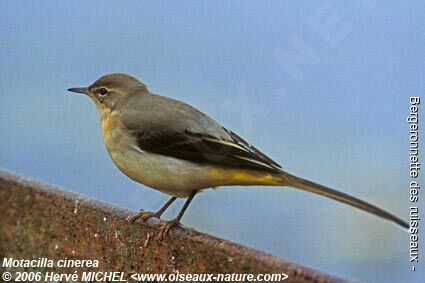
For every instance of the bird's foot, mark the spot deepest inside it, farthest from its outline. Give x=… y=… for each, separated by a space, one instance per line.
x=166 y=226
x=143 y=215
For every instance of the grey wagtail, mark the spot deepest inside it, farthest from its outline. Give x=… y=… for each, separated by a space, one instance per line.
x=174 y=148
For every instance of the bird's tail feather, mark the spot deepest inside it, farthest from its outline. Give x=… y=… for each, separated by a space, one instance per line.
x=302 y=184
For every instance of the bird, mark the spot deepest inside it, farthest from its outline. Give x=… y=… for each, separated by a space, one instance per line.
x=172 y=147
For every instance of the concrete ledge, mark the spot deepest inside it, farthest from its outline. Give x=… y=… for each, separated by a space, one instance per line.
x=39 y=220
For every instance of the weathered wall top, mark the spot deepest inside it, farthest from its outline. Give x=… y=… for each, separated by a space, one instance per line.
x=39 y=220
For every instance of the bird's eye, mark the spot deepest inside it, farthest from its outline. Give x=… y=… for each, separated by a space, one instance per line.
x=103 y=91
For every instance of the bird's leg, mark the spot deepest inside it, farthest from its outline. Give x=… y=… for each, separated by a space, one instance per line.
x=144 y=215
x=165 y=227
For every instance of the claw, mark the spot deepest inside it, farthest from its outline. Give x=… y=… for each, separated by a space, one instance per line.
x=143 y=215
x=166 y=226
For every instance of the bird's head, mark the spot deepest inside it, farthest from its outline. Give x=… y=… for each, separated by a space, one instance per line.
x=109 y=90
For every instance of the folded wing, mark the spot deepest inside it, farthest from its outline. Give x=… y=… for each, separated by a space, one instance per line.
x=180 y=131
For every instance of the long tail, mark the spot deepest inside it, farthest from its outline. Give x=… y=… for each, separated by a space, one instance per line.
x=302 y=184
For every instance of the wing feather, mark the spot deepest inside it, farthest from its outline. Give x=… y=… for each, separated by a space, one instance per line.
x=172 y=128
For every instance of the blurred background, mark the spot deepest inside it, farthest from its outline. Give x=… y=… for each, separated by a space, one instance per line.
x=320 y=86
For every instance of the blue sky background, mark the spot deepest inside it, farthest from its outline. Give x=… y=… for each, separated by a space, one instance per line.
x=329 y=103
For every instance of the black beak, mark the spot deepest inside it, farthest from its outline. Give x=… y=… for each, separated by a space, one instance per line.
x=79 y=90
